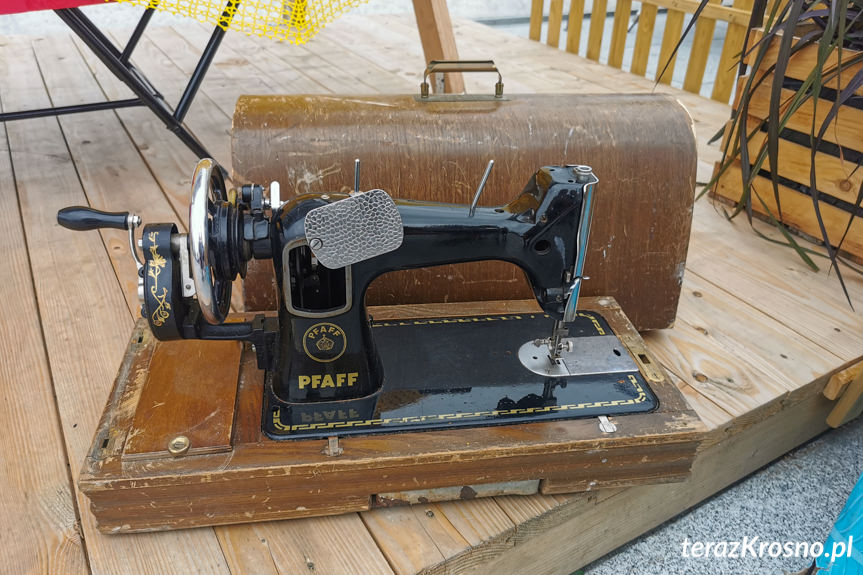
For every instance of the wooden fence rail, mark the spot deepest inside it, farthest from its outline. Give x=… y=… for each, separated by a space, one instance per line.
x=737 y=17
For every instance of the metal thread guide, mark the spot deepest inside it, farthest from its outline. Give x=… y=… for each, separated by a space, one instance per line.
x=560 y=355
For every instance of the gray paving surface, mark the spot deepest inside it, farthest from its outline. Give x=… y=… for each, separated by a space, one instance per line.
x=796 y=498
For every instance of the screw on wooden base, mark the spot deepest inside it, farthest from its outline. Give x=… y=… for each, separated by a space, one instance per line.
x=179 y=445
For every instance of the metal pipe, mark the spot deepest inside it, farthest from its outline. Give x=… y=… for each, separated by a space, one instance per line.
x=138 y=31
x=61 y=110
x=206 y=60
x=109 y=56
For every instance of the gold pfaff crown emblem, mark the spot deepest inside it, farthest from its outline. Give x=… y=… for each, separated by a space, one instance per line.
x=324 y=342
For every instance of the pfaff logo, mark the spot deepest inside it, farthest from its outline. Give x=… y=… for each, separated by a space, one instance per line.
x=324 y=342
x=327 y=380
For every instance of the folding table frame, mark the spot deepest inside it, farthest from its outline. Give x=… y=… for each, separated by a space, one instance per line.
x=118 y=63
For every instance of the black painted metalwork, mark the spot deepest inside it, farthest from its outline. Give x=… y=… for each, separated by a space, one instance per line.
x=461 y=372
x=75 y=109
x=206 y=58
x=137 y=33
x=330 y=369
x=536 y=231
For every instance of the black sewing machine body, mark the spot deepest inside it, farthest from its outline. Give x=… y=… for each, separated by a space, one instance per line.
x=330 y=369
x=322 y=305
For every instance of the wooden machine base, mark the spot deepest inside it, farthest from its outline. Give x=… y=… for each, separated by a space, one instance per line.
x=180 y=443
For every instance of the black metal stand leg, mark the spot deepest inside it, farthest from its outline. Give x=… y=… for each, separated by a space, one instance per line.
x=206 y=60
x=118 y=63
x=109 y=56
x=137 y=33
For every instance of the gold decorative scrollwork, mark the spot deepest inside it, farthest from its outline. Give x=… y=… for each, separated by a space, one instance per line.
x=154 y=268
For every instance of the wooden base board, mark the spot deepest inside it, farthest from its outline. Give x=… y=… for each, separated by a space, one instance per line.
x=257 y=479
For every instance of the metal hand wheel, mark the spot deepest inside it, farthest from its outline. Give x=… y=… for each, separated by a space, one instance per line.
x=213 y=292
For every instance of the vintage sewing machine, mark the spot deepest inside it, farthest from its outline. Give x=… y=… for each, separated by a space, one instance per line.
x=331 y=371
x=323 y=352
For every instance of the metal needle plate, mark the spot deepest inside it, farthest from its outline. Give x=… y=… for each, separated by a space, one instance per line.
x=589 y=356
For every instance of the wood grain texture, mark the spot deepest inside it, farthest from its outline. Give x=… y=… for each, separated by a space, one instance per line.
x=435 y=28
x=340 y=544
x=85 y=309
x=555 y=20
x=643 y=39
x=714 y=11
x=597 y=28
x=837 y=177
x=844 y=130
x=850 y=405
x=670 y=36
x=732 y=48
x=238 y=68
x=767 y=277
x=597 y=520
x=839 y=381
x=800 y=66
x=169 y=160
x=536 y=14
x=128 y=184
x=37 y=505
x=191 y=391
x=771 y=278
x=435 y=153
x=575 y=20
x=396 y=52
x=698 y=53
x=797 y=209
x=562 y=72
x=619 y=32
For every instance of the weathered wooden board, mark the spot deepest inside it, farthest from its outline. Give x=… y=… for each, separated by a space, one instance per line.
x=37 y=504
x=261 y=479
x=844 y=130
x=80 y=300
x=804 y=60
x=837 y=177
x=190 y=392
x=797 y=209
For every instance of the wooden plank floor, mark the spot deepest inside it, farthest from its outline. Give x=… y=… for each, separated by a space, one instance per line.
x=757 y=335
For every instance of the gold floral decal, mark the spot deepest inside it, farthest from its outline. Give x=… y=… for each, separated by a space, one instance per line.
x=154 y=268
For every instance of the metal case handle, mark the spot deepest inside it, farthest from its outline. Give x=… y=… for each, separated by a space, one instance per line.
x=448 y=66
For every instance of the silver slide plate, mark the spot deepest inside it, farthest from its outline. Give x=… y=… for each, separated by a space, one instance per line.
x=589 y=356
x=354 y=229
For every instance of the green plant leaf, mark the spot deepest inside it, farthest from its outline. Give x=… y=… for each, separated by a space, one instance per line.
x=689 y=26
x=785 y=45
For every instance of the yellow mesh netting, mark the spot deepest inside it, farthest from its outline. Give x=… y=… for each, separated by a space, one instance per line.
x=295 y=21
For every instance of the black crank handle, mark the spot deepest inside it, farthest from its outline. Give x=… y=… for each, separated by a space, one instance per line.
x=81 y=218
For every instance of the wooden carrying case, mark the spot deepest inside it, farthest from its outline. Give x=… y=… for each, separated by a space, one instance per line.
x=641 y=147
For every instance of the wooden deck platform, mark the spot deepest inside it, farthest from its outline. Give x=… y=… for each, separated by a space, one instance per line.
x=757 y=336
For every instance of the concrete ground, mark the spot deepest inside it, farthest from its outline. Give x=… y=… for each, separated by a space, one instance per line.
x=797 y=498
